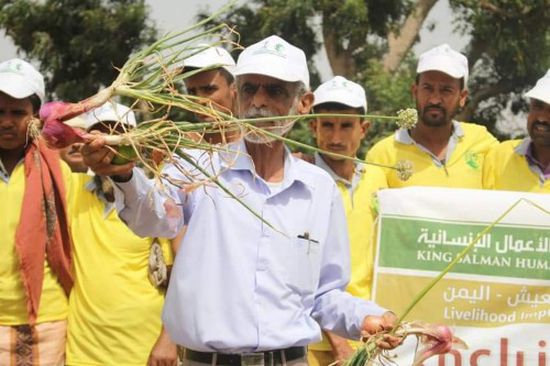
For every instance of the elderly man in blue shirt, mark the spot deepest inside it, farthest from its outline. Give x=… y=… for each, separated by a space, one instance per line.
x=243 y=292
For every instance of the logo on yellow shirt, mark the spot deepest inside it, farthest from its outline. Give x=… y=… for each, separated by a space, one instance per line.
x=472 y=160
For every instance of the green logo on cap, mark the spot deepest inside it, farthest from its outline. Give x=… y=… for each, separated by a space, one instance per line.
x=12 y=67
x=336 y=84
x=277 y=49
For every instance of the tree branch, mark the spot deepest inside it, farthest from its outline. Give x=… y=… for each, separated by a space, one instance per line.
x=341 y=61
x=503 y=86
x=400 y=42
x=484 y=4
x=477 y=47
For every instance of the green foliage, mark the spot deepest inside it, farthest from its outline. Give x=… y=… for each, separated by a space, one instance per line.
x=301 y=132
x=509 y=49
x=78 y=43
x=386 y=95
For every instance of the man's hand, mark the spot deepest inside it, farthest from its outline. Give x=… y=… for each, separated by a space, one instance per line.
x=97 y=156
x=377 y=324
x=164 y=352
x=341 y=350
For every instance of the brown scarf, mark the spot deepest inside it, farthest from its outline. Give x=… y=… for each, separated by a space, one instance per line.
x=43 y=230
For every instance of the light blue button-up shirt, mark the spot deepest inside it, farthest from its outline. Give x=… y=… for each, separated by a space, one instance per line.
x=237 y=284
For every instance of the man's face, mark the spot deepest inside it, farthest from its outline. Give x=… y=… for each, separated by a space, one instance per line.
x=213 y=85
x=538 y=123
x=264 y=96
x=15 y=115
x=438 y=97
x=72 y=156
x=340 y=135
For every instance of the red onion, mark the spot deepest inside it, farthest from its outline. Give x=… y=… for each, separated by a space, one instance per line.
x=56 y=133
x=436 y=339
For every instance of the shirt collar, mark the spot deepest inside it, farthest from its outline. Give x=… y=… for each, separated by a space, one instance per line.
x=523 y=148
x=358 y=171
x=91 y=186
x=236 y=157
x=403 y=136
x=3 y=172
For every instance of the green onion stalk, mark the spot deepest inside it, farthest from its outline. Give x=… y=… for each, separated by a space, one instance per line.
x=151 y=75
x=168 y=137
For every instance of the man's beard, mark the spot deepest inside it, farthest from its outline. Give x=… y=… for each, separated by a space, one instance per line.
x=278 y=127
x=438 y=121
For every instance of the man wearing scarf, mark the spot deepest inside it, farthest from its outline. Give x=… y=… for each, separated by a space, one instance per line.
x=35 y=265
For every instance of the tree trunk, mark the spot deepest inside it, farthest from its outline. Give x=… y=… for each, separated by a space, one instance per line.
x=476 y=49
x=341 y=61
x=400 y=42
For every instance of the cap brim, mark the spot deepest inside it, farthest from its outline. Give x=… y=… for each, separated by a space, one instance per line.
x=16 y=86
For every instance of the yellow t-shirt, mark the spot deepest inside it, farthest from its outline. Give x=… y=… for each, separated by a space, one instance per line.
x=462 y=170
x=360 y=214
x=506 y=169
x=114 y=311
x=13 y=308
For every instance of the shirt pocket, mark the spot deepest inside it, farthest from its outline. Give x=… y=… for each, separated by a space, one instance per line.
x=304 y=262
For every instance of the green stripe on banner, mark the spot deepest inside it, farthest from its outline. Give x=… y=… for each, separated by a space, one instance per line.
x=429 y=245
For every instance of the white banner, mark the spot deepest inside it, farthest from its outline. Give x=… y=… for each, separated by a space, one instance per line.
x=497 y=298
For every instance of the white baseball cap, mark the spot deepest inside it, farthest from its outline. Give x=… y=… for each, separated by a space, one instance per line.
x=276 y=58
x=211 y=56
x=541 y=90
x=20 y=79
x=110 y=111
x=341 y=90
x=443 y=58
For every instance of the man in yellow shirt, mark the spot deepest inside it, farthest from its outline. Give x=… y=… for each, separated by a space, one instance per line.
x=35 y=243
x=357 y=183
x=114 y=309
x=444 y=152
x=524 y=165
x=216 y=84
